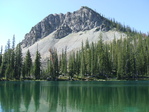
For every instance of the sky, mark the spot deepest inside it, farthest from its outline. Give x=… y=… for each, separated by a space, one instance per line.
x=17 y=17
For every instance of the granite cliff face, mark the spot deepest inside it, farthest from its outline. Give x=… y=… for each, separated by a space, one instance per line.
x=65 y=24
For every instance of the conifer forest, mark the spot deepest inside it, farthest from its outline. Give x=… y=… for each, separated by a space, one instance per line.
x=124 y=59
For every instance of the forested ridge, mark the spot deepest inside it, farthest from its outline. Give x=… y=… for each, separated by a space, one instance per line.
x=124 y=58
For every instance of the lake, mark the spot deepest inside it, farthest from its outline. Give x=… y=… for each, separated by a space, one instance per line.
x=44 y=96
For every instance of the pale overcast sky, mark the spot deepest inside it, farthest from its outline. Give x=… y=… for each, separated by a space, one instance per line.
x=19 y=16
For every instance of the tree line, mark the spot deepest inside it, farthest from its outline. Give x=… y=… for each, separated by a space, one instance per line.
x=124 y=58
x=14 y=67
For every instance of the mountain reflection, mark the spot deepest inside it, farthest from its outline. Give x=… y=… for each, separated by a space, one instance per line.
x=74 y=96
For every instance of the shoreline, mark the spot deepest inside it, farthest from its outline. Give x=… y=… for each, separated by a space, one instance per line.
x=77 y=79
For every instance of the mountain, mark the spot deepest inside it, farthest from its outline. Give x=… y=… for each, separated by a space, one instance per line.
x=68 y=31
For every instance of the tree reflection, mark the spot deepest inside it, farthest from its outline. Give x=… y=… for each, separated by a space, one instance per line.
x=10 y=98
x=27 y=91
x=36 y=95
x=73 y=96
x=52 y=96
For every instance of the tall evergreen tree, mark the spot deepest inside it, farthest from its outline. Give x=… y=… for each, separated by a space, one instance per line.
x=37 y=66
x=71 y=65
x=3 y=64
x=13 y=42
x=12 y=64
x=18 y=62
x=63 y=62
x=93 y=60
x=27 y=65
x=101 y=56
x=82 y=62
x=8 y=60
x=12 y=60
x=78 y=63
x=54 y=64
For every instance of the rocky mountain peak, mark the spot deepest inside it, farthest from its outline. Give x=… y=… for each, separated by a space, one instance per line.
x=64 y=24
x=86 y=9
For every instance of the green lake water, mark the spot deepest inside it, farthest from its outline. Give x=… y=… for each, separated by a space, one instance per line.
x=111 y=96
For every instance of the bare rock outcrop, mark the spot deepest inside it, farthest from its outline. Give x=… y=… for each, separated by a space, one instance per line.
x=65 y=24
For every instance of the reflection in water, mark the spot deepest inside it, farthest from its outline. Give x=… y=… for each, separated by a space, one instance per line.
x=74 y=96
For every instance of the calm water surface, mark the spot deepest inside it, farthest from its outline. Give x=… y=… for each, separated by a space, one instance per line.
x=117 y=96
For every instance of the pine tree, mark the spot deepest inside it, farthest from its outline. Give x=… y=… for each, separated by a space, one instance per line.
x=101 y=56
x=120 y=66
x=78 y=63
x=63 y=62
x=54 y=64
x=82 y=62
x=113 y=54
x=12 y=64
x=8 y=60
x=92 y=60
x=12 y=59
x=27 y=65
x=13 y=42
x=3 y=64
x=71 y=65
x=107 y=60
x=37 y=66
x=120 y=59
x=87 y=54
x=18 y=62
